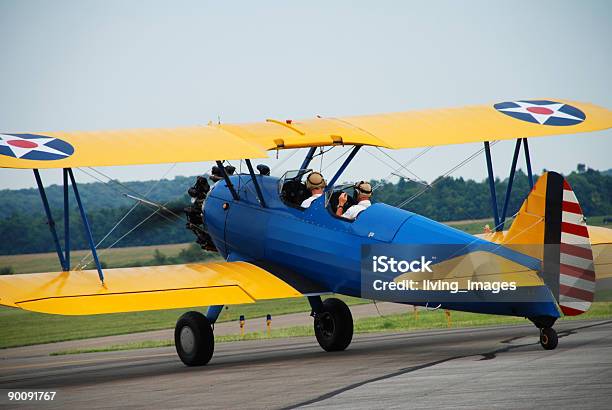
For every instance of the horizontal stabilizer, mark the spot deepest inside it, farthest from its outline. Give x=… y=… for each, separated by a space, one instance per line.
x=601 y=245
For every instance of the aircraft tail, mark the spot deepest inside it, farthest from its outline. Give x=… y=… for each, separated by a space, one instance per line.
x=551 y=216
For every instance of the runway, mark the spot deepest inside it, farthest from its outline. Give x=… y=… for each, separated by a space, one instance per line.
x=476 y=368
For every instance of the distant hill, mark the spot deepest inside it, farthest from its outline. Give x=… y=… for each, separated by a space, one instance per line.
x=23 y=227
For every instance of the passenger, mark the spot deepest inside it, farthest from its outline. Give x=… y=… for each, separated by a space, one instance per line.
x=364 y=193
x=315 y=184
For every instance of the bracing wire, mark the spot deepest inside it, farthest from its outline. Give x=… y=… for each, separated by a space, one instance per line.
x=82 y=265
x=321 y=152
x=151 y=189
x=349 y=149
x=282 y=161
x=84 y=262
x=141 y=196
x=400 y=164
x=392 y=172
x=403 y=166
x=131 y=190
x=157 y=208
x=447 y=173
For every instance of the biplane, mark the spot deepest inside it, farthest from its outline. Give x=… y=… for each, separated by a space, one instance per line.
x=273 y=248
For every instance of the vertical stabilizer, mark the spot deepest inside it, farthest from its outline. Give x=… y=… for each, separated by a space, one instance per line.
x=551 y=216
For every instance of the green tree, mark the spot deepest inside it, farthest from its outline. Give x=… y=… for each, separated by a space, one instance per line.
x=159 y=257
x=23 y=220
x=7 y=270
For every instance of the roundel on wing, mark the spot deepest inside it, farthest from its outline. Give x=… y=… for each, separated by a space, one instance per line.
x=34 y=147
x=542 y=112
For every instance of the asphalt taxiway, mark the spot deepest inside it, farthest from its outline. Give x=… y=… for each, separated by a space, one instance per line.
x=476 y=368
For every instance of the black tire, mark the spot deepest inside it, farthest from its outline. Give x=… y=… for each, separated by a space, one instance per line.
x=194 y=339
x=334 y=325
x=548 y=338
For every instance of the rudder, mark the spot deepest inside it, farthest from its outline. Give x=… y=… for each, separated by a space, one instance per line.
x=551 y=216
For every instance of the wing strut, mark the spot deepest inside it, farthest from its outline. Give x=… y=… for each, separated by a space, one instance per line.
x=517 y=150
x=308 y=158
x=64 y=255
x=50 y=221
x=92 y=244
x=345 y=164
x=230 y=186
x=492 y=184
x=66 y=221
x=257 y=187
x=528 y=162
x=501 y=219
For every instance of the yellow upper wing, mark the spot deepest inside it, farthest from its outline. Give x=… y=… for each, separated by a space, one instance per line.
x=411 y=129
x=125 y=147
x=146 y=288
x=469 y=124
x=231 y=141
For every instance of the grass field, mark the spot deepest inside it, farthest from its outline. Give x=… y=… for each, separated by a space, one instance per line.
x=48 y=262
x=407 y=322
x=20 y=327
x=476 y=226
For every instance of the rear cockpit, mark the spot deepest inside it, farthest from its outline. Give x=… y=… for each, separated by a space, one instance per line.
x=293 y=191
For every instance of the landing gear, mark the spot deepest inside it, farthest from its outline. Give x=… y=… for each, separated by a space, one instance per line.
x=548 y=338
x=548 y=335
x=194 y=339
x=333 y=325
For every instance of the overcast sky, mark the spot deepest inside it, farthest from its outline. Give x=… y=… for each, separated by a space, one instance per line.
x=92 y=65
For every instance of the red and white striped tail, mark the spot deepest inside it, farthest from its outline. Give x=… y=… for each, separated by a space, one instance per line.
x=577 y=272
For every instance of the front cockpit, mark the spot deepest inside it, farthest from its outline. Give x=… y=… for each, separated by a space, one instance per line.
x=292 y=188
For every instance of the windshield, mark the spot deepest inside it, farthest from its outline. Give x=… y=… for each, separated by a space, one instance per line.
x=291 y=189
x=292 y=175
x=337 y=190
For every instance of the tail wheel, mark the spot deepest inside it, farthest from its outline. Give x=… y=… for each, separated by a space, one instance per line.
x=548 y=338
x=194 y=339
x=333 y=326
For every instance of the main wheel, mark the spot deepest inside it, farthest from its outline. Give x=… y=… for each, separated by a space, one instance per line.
x=333 y=326
x=194 y=339
x=548 y=338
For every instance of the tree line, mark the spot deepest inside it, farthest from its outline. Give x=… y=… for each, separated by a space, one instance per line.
x=24 y=228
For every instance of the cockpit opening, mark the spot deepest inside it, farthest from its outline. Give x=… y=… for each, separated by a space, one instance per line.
x=292 y=190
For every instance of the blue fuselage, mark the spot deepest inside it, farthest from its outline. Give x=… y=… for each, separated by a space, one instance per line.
x=319 y=246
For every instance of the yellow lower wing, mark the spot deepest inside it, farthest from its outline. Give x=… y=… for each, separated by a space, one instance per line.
x=145 y=288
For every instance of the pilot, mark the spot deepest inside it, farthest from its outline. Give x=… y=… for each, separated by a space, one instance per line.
x=364 y=193
x=315 y=184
